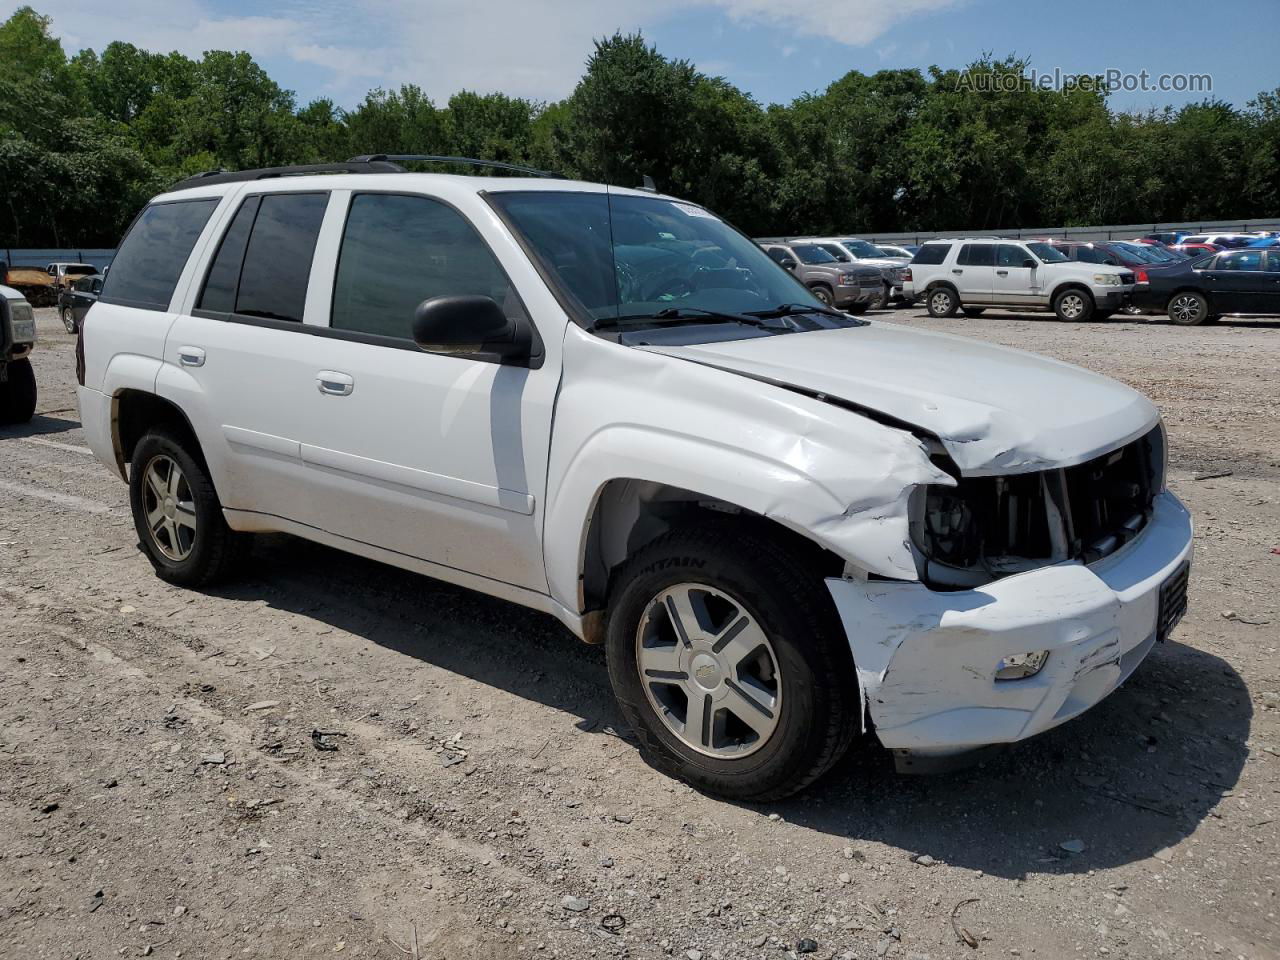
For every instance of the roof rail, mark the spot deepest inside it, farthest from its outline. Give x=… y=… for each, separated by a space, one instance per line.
x=358 y=165
x=398 y=158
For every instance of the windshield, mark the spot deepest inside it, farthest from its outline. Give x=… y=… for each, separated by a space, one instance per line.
x=861 y=249
x=1137 y=252
x=1047 y=254
x=633 y=257
x=811 y=253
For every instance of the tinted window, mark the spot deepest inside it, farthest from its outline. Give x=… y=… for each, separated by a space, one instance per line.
x=835 y=251
x=277 y=260
x=780 y=254
x=932 y=253
x=84 y=284
x=1244 y=260
x=219 y=291
x=1046 y=253
x=1091 y=255
x=1007 y=255
x=812 y=253
x=146 y=268
x=398 y=251
x=977 y=255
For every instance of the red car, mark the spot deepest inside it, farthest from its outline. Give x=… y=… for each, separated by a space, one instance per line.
x=1194 y=250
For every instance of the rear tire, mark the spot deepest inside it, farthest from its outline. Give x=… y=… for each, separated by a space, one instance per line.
x=1188 y=308
x=1073 y=305
x=942 y=302
x=18 y=393
x=177 y=514
x=752 y=600
x=68 y=319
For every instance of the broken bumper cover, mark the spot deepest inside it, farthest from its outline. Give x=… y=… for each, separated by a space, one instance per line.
x=927 y=660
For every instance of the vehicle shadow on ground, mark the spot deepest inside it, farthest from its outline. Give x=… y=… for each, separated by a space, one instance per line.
x=39 y=426
x=1136 y=774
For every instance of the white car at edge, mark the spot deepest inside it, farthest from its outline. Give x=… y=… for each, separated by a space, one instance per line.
x=787 y=525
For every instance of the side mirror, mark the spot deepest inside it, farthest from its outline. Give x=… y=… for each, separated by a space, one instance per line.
x=462 y=326
x=1028 y=262
x=788 y=263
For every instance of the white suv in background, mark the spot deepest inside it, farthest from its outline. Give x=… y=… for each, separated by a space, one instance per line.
x=971 y=274
x=787 y=525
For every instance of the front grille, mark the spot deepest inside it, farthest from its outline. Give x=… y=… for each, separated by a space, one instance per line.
x=868 y=281
x=1126 y=278
x=1173 y=602
x=989 y=527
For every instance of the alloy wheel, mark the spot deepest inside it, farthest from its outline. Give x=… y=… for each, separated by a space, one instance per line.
x=170 y=508
x=940 y=302
x=1185 y=308
x=709 y=671
x=1072 y=306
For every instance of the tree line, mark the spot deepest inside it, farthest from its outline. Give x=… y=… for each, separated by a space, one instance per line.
x=86 y=140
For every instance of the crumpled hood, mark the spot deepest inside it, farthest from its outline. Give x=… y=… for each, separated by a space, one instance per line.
x=996 y=410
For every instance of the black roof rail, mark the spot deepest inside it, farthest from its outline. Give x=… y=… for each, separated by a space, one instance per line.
x=398 y=158
x=359 y=165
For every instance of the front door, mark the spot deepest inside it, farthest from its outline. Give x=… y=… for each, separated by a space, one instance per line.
x=1015 y=283
x=438 y=457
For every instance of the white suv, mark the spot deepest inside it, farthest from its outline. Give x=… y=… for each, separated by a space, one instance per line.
x=973 y=274
x=786 y=524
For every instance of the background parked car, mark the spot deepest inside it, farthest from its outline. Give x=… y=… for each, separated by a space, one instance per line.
x=1228 y=240
x=849 y=250
x=851 y=287
x=1263 y=243
x=64 y=274
x=1233 y=281
x=1170 y=237
x=1196 y=250
x=75 y=299
x=1115 y=254
x=906 y=250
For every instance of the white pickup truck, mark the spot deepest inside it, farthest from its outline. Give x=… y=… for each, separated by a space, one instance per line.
x=788 y=526
x=971 y=274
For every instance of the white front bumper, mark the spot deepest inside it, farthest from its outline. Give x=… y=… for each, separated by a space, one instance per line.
x=926 y=660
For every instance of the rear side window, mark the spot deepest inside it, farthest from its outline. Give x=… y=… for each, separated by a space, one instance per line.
x=1010 y=256
x=977 y=255
x=146 y=268
x=932 y=253
x=263 y=264
x=398 y=251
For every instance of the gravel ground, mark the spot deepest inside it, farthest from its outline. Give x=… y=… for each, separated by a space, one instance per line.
x=163 y=793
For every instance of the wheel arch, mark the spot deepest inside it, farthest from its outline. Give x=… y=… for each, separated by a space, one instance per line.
x=627 y=514
x=1066 y=285
x=134 y=412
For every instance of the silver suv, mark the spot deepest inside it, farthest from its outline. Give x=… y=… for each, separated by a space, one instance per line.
x=847 y=286
x=971 y=274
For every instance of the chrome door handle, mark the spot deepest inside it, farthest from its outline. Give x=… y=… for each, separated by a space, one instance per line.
x=334 y=383
x=191 y=356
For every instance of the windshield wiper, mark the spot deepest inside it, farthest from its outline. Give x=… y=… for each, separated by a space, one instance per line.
x=792 y=309
x=675 y=315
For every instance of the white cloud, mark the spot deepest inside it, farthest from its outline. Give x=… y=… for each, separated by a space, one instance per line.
x=521 y=48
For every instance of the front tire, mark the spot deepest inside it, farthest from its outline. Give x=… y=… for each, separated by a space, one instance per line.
x=728 y=661
x=1188 y=309
x=69 y=319
x=942 y=302
x=177 y=514
x=18 y=393
x=1073 y=305
x=824 y=294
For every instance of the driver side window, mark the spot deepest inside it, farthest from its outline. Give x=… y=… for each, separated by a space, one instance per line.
x=398 y=250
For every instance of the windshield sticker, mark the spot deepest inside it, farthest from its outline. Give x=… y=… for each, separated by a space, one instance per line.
x=694 y=211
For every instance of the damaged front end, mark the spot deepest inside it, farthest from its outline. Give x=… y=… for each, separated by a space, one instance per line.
x=1039 y=594
x=985 y=528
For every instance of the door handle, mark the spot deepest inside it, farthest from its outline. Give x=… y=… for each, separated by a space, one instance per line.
x=957 y=271
x=1002 y=273
x=191 y=356
x=335 y=383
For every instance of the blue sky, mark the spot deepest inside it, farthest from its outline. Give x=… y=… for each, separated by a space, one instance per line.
x=776 y=51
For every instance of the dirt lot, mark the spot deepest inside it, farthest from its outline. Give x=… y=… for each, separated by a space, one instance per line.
x=161 y=792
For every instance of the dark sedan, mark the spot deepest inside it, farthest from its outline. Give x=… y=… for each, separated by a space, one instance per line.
x=1234 y=281
x=1117 y=253
x=75 y=299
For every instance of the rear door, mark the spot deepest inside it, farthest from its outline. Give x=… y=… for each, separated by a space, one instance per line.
x=1271 y=281
x=974 y=272
x=1236 y=283
x=240 y=359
